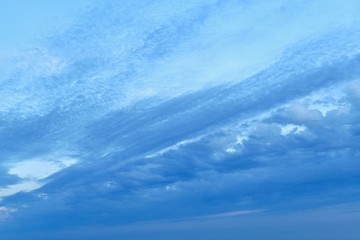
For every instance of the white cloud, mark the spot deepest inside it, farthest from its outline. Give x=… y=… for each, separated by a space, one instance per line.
x=39 y=169
x=26 y=186
x=229 y=214
x=175 y=146
x=230 y=150
x=301 y=113
x=5 y=212
x=291 y=128
x=32 y=172
x=240 y=139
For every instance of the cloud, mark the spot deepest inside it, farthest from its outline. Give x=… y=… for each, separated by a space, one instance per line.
x=30 y=174
x=25 y=186
x=39 y=169
x=291 y=128
x=300 y=114
x=229 y=214
x=5 y=213
x=262 y=171
x=185 y=110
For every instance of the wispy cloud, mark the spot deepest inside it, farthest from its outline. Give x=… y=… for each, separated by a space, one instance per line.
x=25 y=186
x=227 y=214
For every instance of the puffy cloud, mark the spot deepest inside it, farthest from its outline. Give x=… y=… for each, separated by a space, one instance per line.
x=300 y=114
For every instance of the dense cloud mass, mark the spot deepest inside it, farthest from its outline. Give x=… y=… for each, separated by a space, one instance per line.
x=185 y=114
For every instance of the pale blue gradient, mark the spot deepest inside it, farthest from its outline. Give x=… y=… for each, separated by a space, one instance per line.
x=23 y=22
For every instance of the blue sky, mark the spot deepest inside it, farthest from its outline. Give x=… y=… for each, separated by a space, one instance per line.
x=23 y=22
x=180 y=120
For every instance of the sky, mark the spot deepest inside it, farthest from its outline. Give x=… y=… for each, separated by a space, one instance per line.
x=23 y=22
x=179 y=120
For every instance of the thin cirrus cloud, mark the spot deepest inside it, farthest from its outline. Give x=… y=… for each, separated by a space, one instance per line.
x=202 y=112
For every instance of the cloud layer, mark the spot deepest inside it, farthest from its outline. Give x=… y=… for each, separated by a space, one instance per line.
x=189 y=111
